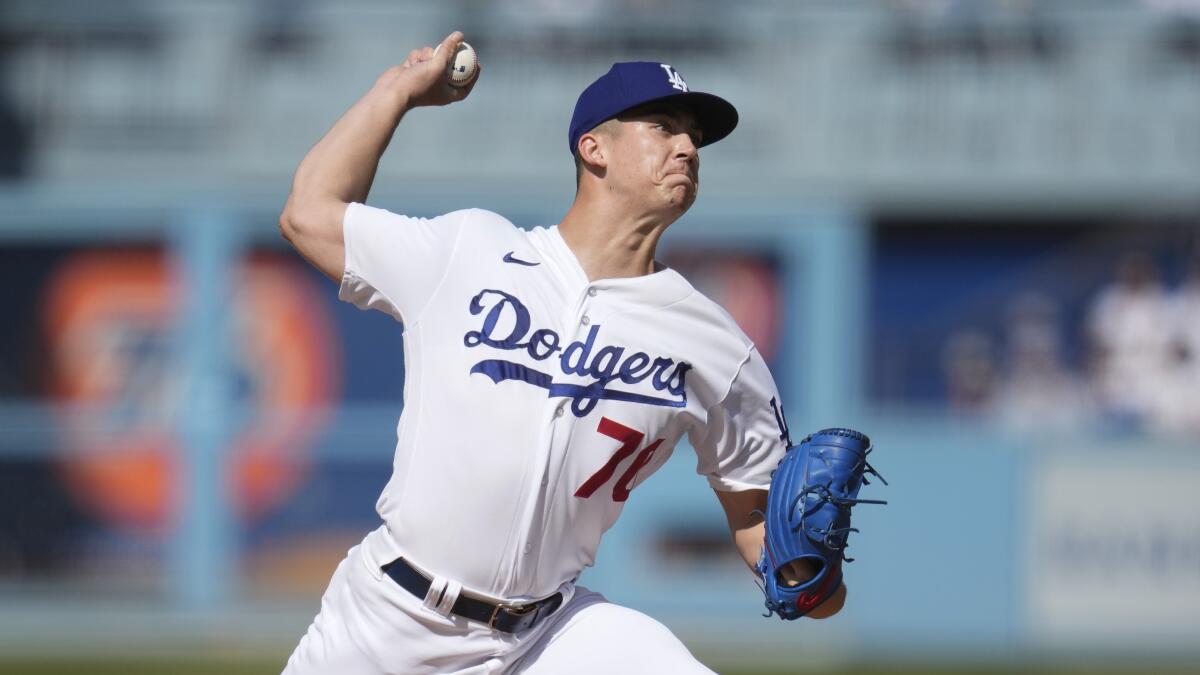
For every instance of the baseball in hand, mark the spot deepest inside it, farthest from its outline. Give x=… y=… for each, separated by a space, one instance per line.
x=462 y=66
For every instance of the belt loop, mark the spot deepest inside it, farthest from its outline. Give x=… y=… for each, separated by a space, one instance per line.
x=449 y=597
x=434 y=597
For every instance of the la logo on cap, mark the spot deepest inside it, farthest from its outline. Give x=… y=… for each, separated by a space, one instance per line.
x=630 y=84
x=674 y=78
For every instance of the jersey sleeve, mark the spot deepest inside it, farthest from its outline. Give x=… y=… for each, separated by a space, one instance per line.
x=745 y=435
x=394 y=263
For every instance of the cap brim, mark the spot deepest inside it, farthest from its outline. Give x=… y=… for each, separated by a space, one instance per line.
x=716 y=116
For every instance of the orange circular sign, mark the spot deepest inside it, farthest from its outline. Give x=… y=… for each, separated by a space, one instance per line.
x=110 y=319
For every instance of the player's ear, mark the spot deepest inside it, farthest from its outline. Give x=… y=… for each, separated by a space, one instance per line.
x=592 y=151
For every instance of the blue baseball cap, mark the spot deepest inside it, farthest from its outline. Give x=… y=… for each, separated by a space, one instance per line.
x=628 y=85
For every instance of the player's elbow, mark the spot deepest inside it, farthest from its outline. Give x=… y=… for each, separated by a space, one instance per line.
x=291 y=221
x=302 y=220
x=314 y=229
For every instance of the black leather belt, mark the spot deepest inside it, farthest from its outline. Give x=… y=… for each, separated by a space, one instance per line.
x=507 y=618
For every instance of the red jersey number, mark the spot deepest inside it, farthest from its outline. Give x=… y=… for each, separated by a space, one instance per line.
x=630 y=440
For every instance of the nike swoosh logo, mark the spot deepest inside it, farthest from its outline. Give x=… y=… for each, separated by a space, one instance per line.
x=508 y=258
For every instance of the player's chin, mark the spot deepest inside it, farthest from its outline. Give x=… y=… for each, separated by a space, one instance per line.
x=682 y=195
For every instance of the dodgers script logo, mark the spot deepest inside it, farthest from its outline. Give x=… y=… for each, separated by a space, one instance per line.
x=581 y=357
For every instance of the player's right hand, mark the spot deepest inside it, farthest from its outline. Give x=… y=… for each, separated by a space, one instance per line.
x=424 y=75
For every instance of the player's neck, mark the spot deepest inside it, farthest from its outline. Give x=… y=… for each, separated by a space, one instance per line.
x=609 y=244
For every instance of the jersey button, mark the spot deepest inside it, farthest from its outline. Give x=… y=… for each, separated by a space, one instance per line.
x=528 y=548
x=592 y=292
x=558 y=412
x=585 y=320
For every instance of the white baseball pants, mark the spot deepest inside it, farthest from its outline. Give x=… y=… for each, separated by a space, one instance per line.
x=368 y=624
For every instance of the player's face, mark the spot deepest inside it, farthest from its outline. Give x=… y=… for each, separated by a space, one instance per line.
x=656 y=157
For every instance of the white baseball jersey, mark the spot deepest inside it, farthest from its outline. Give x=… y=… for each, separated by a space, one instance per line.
x=537 y=400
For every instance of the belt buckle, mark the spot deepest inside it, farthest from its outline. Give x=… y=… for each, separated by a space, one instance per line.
x=520 y=610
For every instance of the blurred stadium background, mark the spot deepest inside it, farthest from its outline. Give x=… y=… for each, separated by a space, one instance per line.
x=968 y=227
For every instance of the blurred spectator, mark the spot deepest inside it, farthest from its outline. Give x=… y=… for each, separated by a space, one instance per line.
x=1185 y=306
x=1178 y=407
x=1130 y=338
x=969 y=363
x=1037 y=391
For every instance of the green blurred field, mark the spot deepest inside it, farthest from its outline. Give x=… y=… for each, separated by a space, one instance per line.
x=166 y=666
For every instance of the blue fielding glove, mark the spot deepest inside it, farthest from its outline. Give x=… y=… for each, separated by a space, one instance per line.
x=808 y=517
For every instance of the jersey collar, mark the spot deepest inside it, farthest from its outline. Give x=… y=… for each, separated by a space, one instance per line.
x=659 y=289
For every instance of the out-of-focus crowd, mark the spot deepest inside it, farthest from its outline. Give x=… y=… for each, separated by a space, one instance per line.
x=1146 y=348
x=1140 y=372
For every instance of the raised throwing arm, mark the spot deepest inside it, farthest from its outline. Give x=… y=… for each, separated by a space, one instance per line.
x=340 y=168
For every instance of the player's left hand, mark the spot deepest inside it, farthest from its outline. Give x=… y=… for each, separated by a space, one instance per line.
x=807 y=521
x=799 y=573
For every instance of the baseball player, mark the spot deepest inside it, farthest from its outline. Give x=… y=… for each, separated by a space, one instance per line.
x=548 y=373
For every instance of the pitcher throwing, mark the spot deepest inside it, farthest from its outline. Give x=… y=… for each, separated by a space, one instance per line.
x=548 y=373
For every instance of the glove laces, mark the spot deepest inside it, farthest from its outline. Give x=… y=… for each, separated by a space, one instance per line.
x=834 y=538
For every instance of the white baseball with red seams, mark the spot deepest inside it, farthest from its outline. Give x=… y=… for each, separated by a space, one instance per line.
x=462 y=67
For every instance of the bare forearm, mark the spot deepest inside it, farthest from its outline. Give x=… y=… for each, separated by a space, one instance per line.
x=342 y=165
x=749 y=543
x=744 y=510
